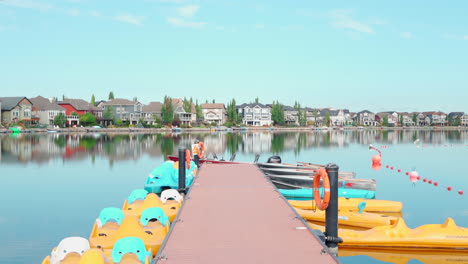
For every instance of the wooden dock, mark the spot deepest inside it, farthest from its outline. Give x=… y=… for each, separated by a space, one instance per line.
x=233 y=214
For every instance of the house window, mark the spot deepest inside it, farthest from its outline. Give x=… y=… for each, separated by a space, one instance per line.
x=27 y=112
x=16 y=113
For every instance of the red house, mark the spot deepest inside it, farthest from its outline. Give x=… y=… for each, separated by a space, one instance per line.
x=80 y=107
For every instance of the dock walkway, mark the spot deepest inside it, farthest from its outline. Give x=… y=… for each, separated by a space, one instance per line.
x=233 y=214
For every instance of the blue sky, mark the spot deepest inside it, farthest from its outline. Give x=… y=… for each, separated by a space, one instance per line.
x=376 y=55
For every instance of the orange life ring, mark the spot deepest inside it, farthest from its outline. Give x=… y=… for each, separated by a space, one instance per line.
x=187 y=158
x=201 y=151
x=321 y=204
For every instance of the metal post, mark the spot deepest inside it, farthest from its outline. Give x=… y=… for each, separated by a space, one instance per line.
x=196 y=159
x=182 y=170
x=331 y=215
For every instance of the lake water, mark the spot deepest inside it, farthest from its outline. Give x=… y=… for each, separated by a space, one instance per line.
x=54 y=186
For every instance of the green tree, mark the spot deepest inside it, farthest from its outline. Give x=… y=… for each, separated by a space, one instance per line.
x=88 y=120
x=109 y=112
x=60 y=120
x=401 y=120
x=199 y=110
x=256 y=100
x=277 y=113
x=74 y=113
x=327 y=118
x=167 y=110
x=385 y=121
x=415 y=119
x=187 y=106
x=135 y=99
x=93 y=100
x=111 y=95
x=231 y=111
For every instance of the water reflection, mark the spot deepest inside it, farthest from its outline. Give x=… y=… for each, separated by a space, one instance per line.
x=114 y=147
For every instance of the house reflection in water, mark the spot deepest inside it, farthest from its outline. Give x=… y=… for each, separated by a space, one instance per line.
x=44 y=148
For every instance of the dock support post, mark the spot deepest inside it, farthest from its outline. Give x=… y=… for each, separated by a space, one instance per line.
x=331 y=214
x=182 y=170
x=196 y=159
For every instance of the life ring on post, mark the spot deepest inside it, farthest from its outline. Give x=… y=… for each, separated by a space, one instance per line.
x=321 y=174
x=201 y=150
x=188 y=159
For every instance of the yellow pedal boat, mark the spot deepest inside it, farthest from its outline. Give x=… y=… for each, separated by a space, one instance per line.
x=112 y=226
x=76 y=250
x=403 y=257
x=352 y=204
x=348 y=218
x=140 y=199
x=447 y=237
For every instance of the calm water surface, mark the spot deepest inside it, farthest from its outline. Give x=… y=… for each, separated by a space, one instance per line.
x=54 y=186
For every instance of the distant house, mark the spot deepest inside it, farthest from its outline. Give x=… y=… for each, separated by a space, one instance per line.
x=454 y=118
x=407 y=118
x=365 y=118
x=423 y=120
x=393 y=118
x=436 y=118
x=151 y=112
x=290 y=115
x=45 y=109
x=184 y=117
x=79 y=107
x=16 y=109
x=464 y=120
x=124 y=109
x=214 y=113
x=337 y=116
x=255 y=114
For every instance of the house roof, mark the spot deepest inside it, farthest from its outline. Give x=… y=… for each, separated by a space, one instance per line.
x=9 y=103
x=433 y=113
x=212 y=106
x=120 y=101
x=42 y=103
x=79 y=104
x=179 y=102
x=365 y=111
x=251 y=105
x=456 y=113
x=153 y=107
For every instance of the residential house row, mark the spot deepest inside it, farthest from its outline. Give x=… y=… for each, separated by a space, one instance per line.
x=41 y=110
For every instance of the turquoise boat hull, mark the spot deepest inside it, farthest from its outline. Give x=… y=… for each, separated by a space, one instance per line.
x=306 y=194
x=167 y=177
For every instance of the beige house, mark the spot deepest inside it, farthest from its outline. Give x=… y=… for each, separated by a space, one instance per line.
x=46 y=110
x=152 y=111
x=214 y=113
x=16 y=109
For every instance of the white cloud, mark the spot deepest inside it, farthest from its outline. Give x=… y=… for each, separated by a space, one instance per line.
x=135 y=20
x=183 y=23
x=94 y=13
x=342 y=19
x=27 y=4
x=259 y=26
x=188 y=11
x=73 y=12
x=406 y=35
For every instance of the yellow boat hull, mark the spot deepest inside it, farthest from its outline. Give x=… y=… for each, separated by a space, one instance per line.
x=347 y=218
x=403 y=257
x=351 y=204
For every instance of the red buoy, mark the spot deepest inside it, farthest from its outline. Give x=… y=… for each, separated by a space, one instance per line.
x=419 y=177
x=430 y=181
x=436 y=183
x=376 y=159
x=460 y=192
x=424 y=180
x=386 y=166
x=449 y=188
x=399 y=170
x=407 y=173
x=391 y=168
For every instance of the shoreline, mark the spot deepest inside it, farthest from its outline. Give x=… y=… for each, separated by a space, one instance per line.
x=190 y=130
